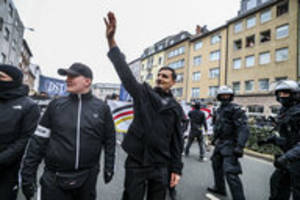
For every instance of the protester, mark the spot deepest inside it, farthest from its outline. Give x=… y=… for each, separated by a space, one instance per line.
x=230 y=136
x=18 y=119
x=154 y=141
x=198 y=121
x=70 y=137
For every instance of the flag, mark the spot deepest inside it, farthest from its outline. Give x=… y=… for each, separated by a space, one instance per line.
x=52 y=86
x=122 y=113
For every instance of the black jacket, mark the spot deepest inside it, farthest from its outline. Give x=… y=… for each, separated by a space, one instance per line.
x=154 y=137
x=18 y=119
x=230 y=128
x=198 y=120
x=70 y=136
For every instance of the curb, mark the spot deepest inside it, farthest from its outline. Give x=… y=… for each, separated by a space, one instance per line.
x=266 y=157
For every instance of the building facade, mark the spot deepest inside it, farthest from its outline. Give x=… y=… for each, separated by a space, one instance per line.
x=263 y=48
x=28 y=76
x=135 y=66
x=11 y=33
x=102 y=90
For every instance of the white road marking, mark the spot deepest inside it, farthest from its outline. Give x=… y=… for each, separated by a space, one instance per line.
x=211 y=196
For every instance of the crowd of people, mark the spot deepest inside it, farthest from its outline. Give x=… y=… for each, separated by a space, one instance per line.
x=72 y=132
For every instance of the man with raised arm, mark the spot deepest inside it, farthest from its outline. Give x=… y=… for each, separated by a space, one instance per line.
x=154 y=142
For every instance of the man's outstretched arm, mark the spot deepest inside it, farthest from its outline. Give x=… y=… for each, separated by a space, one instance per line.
x=118 y=59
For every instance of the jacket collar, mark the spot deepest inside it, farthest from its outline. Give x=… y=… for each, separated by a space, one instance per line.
x=88 y=95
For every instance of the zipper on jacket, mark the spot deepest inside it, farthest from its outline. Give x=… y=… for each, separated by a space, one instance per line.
x=78 y=132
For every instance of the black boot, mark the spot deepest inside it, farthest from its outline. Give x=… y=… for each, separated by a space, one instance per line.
x=216 y=191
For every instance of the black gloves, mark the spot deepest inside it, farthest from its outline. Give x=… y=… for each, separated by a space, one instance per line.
x=28 y=190
x=269 y=140
x=238 y=151
x=281 y=162
x=108 y=175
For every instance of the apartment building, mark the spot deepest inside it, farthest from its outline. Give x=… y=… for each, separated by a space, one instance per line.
x=11 y=33
x=135 y=66
x=207 y=64
x=263 y=48
x=177 y=55
x=102 y=90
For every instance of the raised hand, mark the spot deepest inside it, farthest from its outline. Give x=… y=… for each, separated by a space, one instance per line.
x=111 y=25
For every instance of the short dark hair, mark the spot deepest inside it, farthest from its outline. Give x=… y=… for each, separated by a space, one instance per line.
x=174 y=75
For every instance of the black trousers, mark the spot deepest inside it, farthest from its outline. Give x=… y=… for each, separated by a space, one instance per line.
x=280 y=185
x=140 y=180
x=9 y=182
x=52 y=191
x=229 y=167
x=199 y=137
x=294 y=172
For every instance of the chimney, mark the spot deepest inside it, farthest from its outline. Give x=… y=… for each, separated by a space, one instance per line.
x=198 y=29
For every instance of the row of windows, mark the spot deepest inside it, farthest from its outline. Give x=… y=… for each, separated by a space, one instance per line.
x=264 y=17
x=177 y=64
x=196 y=76
x=281 y=54
x=263 y=85
x=176 y=52
x=212 y=91
x=213 y=40
x=214 y=55
x=264 y=36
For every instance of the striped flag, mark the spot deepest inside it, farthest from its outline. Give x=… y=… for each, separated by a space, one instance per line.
x=122 y=114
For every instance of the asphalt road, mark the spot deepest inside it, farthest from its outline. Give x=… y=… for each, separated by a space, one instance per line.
x=197 y=176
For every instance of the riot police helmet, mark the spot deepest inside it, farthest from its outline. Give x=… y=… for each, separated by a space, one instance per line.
x=287 y=86
x=224 y=89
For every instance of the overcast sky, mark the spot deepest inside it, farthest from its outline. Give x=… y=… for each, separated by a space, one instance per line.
x=68 y=31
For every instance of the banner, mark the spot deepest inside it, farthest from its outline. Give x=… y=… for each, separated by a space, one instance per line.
x=52 y=86
x=122 y=113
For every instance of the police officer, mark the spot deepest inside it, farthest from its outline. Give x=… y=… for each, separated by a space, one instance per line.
x=70 y=137
x=230 y=136
x=286 y=177
x=197 y=120
x=18 y=119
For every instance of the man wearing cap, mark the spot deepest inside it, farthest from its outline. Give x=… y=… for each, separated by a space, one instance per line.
x=70 y=137
x=18 y=119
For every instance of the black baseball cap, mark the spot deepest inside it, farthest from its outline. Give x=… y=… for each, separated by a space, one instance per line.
x=76 y=69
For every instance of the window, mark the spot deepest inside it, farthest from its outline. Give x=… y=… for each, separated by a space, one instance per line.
x=182 y=36
x=14 y=44
x=264 y=58
x=160 y=60
x=238 y=27
x=251 y=22
x=177 y=92
x=198 y=45
x=160 y=47
x=249 y=85
x=264 y=1
x=6 y=34
x=195 y=92
x=251 y=4
x=255 y=109
x=214 y=73
x=176 y=52
x=265 y=36
x=197 y=60
x=237 y=63
x=275 y=109
x=282 y=54
x=179 y=78
x=215 y=39
x=215 y=55
x=2 y=58
x=172 y=42
x=282 y=8
x=237 y=44
x=10 y=10
x=177 y=64
x=282 y=31
x=212 y=91
x=250 y=61
x=265 y=16
x=1 y=23
x=149 y=76
x=196 y=76
x=263 y=84
x=150 y=62
x=236 y=87
x=280 y=79
x=250 y=41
